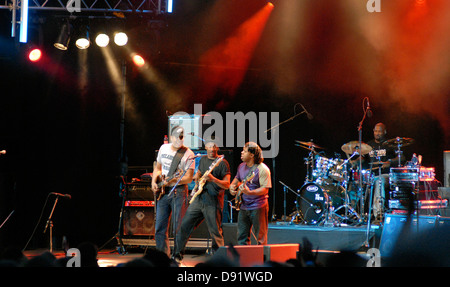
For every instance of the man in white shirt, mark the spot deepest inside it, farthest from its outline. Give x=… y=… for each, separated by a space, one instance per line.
x=170 y=199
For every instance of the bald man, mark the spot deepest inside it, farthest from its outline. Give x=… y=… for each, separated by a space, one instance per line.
x=386 y=158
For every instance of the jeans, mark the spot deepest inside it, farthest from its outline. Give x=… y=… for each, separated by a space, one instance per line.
x=258 y=219
x=202 y=208
x=176 y=201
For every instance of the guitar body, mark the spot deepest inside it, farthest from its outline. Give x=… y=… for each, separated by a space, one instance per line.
x=198 y=188
x=162 y=180
x=238 y=198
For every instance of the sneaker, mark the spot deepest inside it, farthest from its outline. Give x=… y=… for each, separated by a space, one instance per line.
x=177 y=258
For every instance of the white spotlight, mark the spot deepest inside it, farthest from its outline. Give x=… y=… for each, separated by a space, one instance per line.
x=102 y=40
x=82 y=43
x=120 y=39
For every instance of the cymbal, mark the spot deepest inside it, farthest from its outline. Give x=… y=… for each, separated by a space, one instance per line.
x=351 y=147
x=399 y=141
x=309 y=144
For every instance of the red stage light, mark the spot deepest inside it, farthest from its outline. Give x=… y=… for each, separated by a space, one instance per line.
x=35 y=55
x=138 y=60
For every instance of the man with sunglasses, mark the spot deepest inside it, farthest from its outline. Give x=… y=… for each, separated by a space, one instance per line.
x=173 y=158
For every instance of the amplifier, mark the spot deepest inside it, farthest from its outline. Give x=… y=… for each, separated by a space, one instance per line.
x=140 y=190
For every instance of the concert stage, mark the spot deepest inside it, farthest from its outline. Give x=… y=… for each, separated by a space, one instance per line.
x=322 y=238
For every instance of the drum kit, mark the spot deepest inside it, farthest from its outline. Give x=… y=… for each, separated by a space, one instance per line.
x=335 y=189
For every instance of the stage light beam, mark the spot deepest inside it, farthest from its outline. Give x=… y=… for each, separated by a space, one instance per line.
x=225 y=65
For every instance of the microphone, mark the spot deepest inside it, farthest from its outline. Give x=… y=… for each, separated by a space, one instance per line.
x=62 y=195
x=2 y=151
x=308 y=115
x=369 y=111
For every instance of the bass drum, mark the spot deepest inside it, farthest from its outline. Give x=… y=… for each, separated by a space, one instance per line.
x=315 y=200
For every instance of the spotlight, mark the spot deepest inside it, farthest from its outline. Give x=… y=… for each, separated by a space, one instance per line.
x=138 y=60
x=120 y=39
x=62 y=42
x=83 y=40
x=35 y=55
x=102 y=40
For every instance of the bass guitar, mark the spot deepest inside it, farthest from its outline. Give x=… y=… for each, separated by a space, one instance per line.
x=198 y=188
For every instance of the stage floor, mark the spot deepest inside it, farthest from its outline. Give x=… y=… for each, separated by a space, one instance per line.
x=324 y=241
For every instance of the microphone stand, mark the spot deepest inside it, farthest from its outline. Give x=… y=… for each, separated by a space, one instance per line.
x=360 y=189
x=297 y=194
x=175 y=218
x=50 y=223
x=273 y=158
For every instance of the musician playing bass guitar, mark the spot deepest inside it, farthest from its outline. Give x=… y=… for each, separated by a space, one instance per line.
x=252 y=196
x=212 y=179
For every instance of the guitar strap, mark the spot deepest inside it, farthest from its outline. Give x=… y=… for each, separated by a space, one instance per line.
x=250 y=171
x=176 y=160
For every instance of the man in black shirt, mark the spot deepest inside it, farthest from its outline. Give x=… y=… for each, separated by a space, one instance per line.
x=379 y=160
x=208 y=205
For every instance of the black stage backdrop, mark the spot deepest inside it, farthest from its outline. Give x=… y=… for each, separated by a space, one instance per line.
x=60 y=118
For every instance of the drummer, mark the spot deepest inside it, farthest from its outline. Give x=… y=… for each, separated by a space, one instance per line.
x=379 y=160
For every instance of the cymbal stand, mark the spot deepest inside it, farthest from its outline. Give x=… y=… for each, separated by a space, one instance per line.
x=347 y=199
x=309 y=161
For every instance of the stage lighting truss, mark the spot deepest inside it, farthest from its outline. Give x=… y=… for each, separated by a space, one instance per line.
x=105 y=6
x=20 y=8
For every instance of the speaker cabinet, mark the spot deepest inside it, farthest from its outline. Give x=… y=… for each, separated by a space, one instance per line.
x=394 y=224
x=249 y=255
x=280 y=252
x=138 y=221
